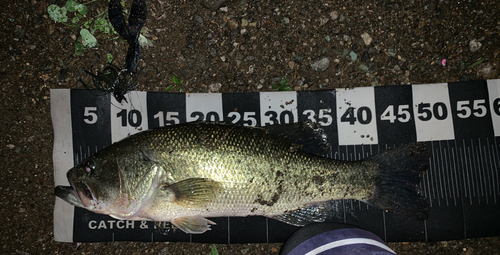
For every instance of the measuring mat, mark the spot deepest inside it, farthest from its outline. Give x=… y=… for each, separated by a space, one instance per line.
x=459 y=121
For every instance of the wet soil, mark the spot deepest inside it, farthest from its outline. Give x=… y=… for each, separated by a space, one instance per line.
x=242 y=46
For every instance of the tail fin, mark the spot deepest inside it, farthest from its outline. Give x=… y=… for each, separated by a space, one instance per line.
x=397 y=188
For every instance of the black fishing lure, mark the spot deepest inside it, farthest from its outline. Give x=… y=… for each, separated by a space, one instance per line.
x=112 y=79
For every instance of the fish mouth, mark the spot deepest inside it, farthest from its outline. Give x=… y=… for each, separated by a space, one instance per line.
x=80 y=196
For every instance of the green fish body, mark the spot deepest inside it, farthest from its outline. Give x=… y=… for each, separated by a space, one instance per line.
x=189 y=172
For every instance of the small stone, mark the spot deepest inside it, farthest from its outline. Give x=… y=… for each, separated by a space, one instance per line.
x=397 y=68
x=327 y=38
x=291 y=64
x=212 y=5
x=233 y=24
x=323 y=21
x=11 y=146
x=485 y=69
x=341 y=18
x=244 y=22
x=286 y=20
x=234 y=33
x=363 y=67
x=321 y=64
x=474 y=45
x=366 y=38
x=198 y=19
x=251 y=69
x=334 y=15
x=391 y=52
x=223 y=58
x=214 y=87
x=353 y=55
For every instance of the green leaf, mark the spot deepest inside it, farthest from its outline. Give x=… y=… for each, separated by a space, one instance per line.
x=102 y=25
x=70 y=5
x=109 y=57
x=78 y=46
x=176 y=80
x=82 y=9
x=87 y=23
x=169 y=88
x=145 y=41
x=214 y=250
x=88 y=40
x=477 y=62
x=58 y=14
x=75 y=20
x=284 y=81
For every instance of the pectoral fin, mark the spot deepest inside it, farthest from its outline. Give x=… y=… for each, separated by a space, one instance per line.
x=193 y=225
x=194 y=191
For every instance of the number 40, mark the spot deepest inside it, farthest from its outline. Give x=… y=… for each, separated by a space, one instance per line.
x=402 y=116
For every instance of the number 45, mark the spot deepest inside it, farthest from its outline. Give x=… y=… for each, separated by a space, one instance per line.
x=402 y=116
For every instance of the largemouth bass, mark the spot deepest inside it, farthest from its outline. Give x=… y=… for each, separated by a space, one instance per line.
x=189 y=172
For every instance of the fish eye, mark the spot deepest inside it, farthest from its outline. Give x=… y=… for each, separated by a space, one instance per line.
x=89 y=166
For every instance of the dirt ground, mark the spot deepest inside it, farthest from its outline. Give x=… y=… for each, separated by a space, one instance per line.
x=242 y=46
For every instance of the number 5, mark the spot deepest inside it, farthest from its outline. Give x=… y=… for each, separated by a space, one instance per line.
x=325 y=114
x=249 y=117
x=91 y=116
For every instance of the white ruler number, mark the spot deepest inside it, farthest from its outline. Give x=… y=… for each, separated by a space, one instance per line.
x=90 y=115
x=324 y=118
x=402 y=115
x=249 y=118
x=171 y=118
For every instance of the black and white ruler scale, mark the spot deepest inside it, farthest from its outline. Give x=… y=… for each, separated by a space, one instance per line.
x=460 y=121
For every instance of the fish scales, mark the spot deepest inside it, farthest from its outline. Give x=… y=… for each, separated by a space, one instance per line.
x=259 y=175
x=184 y=173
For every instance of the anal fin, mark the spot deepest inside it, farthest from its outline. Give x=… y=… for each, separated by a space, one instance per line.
x=312 y=213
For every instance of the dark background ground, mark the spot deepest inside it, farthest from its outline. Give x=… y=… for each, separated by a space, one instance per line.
x=248 y=47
